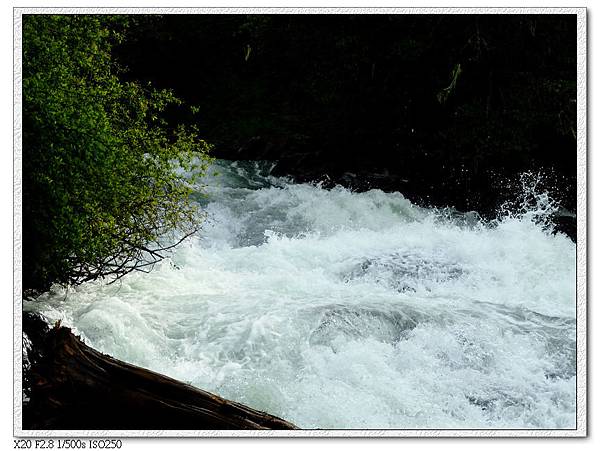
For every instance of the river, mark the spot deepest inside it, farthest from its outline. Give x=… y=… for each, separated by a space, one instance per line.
x=338 y=309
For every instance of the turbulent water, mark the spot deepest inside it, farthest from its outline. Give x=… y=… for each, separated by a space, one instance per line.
x=336 y=309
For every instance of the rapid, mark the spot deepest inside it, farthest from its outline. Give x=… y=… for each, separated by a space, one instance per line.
x=338 y=309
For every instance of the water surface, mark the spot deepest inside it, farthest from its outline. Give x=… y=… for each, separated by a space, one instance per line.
x=336 y=309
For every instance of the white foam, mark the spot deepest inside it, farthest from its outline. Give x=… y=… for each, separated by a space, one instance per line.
x=336 y=309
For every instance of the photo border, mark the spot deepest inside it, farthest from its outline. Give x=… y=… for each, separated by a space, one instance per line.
x=581 y=245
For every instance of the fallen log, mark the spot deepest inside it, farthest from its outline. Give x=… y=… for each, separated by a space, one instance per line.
x=68 y=385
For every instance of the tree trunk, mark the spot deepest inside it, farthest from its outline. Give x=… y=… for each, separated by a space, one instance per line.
x=68 y=385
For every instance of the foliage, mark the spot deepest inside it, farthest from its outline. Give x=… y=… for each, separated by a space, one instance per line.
x=101 y=193
x=443 y=95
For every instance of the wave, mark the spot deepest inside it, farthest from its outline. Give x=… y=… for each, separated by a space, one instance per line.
x=338 y=309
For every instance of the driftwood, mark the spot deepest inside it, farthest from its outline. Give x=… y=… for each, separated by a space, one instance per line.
x=68 y=385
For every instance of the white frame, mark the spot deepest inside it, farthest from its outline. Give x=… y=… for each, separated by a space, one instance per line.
x=581 y=315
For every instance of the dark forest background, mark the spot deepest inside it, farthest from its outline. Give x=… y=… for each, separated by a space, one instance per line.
x=447 y=109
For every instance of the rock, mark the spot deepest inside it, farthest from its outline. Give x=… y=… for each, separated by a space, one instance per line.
x=567 y=225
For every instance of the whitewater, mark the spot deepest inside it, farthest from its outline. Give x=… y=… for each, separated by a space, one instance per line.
x=337 y=309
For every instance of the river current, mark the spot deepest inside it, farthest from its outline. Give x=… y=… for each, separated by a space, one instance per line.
x=337 y=309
